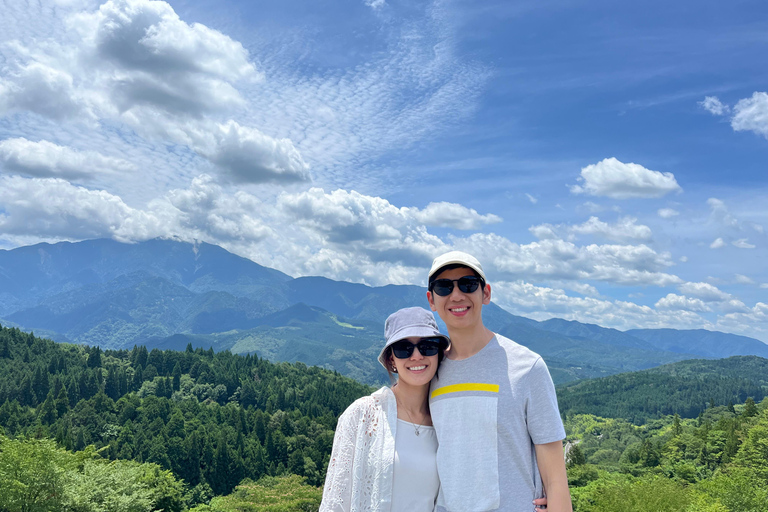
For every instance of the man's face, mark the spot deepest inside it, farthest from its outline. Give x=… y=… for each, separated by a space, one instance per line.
x=459 y=310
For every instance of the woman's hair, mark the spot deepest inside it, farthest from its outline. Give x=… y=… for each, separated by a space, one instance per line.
x=388 y=356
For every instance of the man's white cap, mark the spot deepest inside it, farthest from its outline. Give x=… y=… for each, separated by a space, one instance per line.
x=456 y=258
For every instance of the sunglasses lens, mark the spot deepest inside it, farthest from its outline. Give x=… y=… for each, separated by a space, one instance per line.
x=428 y=348
x=468 y=284
x=402 y=349
x=442 y=287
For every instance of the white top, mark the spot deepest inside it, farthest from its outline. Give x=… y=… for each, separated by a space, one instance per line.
x=361 y=470
x=415 y=483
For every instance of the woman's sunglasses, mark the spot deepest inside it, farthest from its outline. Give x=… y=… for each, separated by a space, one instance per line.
x=427 y=347
x=444 y=287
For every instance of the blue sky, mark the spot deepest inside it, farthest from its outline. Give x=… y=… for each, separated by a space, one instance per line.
x=605 y=161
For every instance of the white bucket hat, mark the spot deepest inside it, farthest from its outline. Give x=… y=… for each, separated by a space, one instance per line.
x=409 y=322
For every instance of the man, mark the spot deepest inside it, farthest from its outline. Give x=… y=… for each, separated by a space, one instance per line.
x=493 y=406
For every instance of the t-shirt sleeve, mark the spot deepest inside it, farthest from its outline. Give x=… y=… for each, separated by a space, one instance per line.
x=542 y=414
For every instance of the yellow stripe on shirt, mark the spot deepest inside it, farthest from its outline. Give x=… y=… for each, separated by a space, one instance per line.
x=468 y=386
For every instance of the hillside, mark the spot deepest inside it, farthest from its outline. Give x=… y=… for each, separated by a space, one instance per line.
x=212 y=419
x=686 y=388
x=166 y=294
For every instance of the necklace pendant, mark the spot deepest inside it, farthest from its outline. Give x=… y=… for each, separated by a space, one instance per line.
x=417 y=432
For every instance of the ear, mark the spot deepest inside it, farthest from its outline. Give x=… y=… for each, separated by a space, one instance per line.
x=431 y=301
x=487 y=294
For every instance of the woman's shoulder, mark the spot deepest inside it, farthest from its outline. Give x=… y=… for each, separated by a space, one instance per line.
x=366 y=404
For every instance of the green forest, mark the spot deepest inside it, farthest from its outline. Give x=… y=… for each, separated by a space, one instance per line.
x=137 y=430
x=199 y=422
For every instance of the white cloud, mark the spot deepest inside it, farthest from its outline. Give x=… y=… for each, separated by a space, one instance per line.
x=764 y=285
x=248 y=156
x=55 y=208
x=704 y=291
x=675 y=302
x=375 y=4
x=532 y=199
x=626 y=229
x=452 y=215
x=667 y=213
x=39 y=88
x=541 y=303
x=720 y=213
x=591 y=207
x=148 y=56
x=751 y=114
x=718 y=243
x=45 y=159
x=743 y=279
x=752 y=322
x=562 y=260
x=714 y=106
x=742 y=243
x=618 y=180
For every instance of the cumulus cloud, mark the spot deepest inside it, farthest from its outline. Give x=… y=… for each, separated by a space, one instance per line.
x=714 y=106
x=751 y=114
x=742 y=279
x=704 y=291
x=667 y=213
x=452 y=215
x=615 y=179
x=743 y=243
x=626 y=229
x=248 y=156
x=149 y=56
x=718 y=243
x=676 y=302
x=46 y=159
x=563 y=260
x=53 y=207
x=752 y=321
x=541 y=303
x=39 y=88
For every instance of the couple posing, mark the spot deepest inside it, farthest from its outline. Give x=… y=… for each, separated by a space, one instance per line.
x=481 y=433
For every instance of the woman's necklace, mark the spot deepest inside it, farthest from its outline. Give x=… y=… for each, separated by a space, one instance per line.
x=416 y=427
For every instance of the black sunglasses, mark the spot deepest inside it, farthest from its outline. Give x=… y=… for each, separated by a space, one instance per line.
x=444 y=287
x=427 y=347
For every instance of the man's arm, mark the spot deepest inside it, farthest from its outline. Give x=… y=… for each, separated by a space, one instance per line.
x=552 y=468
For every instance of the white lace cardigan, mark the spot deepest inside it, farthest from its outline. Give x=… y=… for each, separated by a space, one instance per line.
x=359 y=476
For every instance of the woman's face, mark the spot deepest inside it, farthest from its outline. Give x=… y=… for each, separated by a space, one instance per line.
x=416 y=370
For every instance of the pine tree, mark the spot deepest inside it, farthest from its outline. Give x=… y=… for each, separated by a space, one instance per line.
x=62 y=402
x=177 y=377
x=94 y=357
x=750 y=409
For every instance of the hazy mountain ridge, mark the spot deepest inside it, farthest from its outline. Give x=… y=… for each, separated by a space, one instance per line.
x=167 y=293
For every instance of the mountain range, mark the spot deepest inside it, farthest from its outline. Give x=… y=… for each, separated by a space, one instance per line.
x=167 y=294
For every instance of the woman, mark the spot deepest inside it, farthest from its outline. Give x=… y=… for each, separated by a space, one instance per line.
x=383 y=456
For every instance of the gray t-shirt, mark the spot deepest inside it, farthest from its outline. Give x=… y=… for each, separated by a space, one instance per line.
x=488 y=411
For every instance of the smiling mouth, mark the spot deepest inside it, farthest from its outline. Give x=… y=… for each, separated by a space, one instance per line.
x=417 y=368
x=459 y=310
